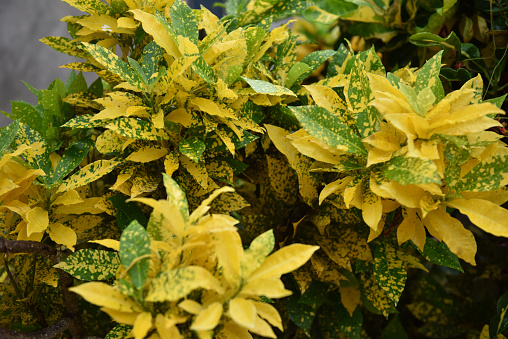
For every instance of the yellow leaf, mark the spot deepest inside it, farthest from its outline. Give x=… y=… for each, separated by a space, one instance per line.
x=243 y=312
x=85 y=206
x=350 y=298
x=156 y=29
x=208 y=318
x=62 y=235
x=171 y=163
x=147 y=154
x=181 y=116
x=269 y=313
x=412 y=229
x=205 y=204
x=197 y=170
x=232 y=330
x=262 y=328
x=127 y=318
x=285 y=260
x=333 y=187
x=22 y=233
x=212 y=108
x=109 y=243
x=68 y=198
x=268 y=287
x=166 y=326
x=102 y=294
x=190 y=306
x=228 y=249
x=498 y=197
x=372 y=209
x=142 y=325
x=37 y=220
x=445 y=228
x=383 y=141
x=486 y=215
x=407 y=195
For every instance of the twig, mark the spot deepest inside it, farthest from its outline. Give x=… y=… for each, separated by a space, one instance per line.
x=48 y=332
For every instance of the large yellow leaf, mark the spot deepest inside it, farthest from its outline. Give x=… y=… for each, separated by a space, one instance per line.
x=269 y=313
x=243 y=312
x=156 y=29
x=85 y=206
x=412 y=229
x=407 y=195
x=109 y=243
x=37 y=219
x=166 y=326
x=262 y=328
x=147 y=154
x=372 y=209
x=212 y=108
x=190 y=306
x=228 y=249
x=285 y=260
x=197 y=170
x=488 y=216
x=62 y=235
x=68 y=198
x=459 y=240
x=334 y=187
x=268 y=287
x=142 y=325
x=208 y=318
x=127 y=318
x=102 y=294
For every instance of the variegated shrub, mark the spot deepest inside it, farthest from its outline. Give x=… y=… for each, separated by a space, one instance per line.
x=195 y=113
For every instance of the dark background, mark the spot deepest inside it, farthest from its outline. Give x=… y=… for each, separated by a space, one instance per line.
x=24 y=57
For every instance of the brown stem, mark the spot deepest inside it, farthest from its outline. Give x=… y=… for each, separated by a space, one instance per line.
x=48 y=332
x=25 y=246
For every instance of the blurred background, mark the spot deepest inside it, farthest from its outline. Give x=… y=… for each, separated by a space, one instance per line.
x=24 y=58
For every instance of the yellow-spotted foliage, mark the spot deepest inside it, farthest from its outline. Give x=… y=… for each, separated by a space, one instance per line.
x=206 y=163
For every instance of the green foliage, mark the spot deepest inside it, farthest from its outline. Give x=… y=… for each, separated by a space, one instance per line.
x=188 y=189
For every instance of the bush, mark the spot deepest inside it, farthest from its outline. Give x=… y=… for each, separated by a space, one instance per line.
x=359 y=178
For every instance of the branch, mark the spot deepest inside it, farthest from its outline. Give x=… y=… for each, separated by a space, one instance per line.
x=48 y=332
x=26 y=246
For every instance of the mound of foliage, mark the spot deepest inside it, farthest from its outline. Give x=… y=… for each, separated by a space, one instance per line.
x=213 y=182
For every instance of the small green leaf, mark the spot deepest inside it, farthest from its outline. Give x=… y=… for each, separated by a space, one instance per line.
x=499 y=322
x=126 y=212
x=184 y=21
x=120 y=331
x=439 y=254
x=139 y=72
x=7 y=135
x=297 y=70
x=425 y=39
x=204 y=70
x=315 y=295
x=192 y=148
x=389 y=271
x=77 y=84
x=134 y=243
x=407 y=170
x=91 y=265
x=301 y=314
x=328 y=128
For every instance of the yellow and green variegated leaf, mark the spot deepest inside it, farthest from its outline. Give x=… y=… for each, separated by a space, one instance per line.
x=197 y=170
x=84 y=121
x=372 y=62
x=120 y=331
x=134 y=252
x=486 y=215
x=282 y=179
x=428 y=77
x=389 y=271
x=90 y=264
x=175 y=284
x=89 y=6
x=87 y=174
x=460 y=241
x=113 y=63
x=439 y=254
x=72 y=157
x=489 y=175
x=257 y=252
x=208 y=318
x=109 y=142
x=265 y=87
x=358 y=95
x=375 y=295
x=328 y=128
x=137 y=129
x=406 y=170
x=64 y=45
x=184 y=21
x=192 y=148
x=81 y=66
x=176 y=196
x=102 y=294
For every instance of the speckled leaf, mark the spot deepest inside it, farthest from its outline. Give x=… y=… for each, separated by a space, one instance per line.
x=175 y=284
x=204 y=71
x=394 y=329
x=72 y=157
x=257 y=252
x=192 y=148
x=184 y=21
x=64 y=45
x=439 y=254
x=137 y=129
x=29 y=115
x=486 y=176
x=428 y=77
x=120 y=331
x=328 y=128
x=407 y=170
x=176 y=196
x=372 y=62
x=113 y=63
x=152 y=53
x=7 y=135
x=84 y=121
x=90 y=264
x=298 y=70
x=89 y=6
x=126 y=212
x=358 y=95
x=301 y=314
x=265 y=87
x=87 y=174
x=135 y=243
x=314 y=60
x=215 y=142
x=375 y=296
x=389 y=271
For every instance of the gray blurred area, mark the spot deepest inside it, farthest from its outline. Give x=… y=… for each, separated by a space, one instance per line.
x=24 y=57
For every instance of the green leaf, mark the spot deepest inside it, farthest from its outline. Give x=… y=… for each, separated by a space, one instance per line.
x=328 y=128
x=184 y=21
x=371 y=61
x=76 y=85
x=336 y=321
x=7 y=135
x=91 y=265
x=176 y=195
x=297 y=70
x=261 y=86
x=72 y=157
x=152 y=53
x=237 y=165
x=337 y=61
x=28 y=115
x=486 y=176
x=285 y=117
x=126 y=212
x=314 y=60
x=359 y=95
x=389 y=271
x=407 y=170
x=139 y=72
x=120 y=331
x=192 y=148
x=425 y=39
x=315 y=295
x=439 y=254
x=34 y=90
x=300 y=313
x=499 y=323
x=134 y=243
x=204 y=70
x=428 y=77
x=394 y=329
x=113 y=63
